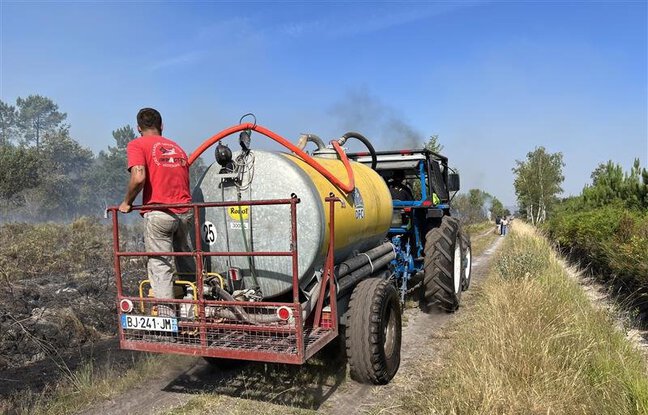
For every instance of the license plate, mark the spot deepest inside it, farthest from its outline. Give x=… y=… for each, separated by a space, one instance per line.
x=149 y=323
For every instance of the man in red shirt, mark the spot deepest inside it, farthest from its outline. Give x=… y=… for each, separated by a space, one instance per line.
x=159 y=166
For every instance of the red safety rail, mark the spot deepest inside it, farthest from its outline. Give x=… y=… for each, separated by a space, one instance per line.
x=214 y=334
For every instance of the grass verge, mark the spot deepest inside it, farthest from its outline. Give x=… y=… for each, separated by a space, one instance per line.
x=475 y=229
x=532 y=344
x=89 y=385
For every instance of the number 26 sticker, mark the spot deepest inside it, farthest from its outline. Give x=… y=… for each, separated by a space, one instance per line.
x=208 y=232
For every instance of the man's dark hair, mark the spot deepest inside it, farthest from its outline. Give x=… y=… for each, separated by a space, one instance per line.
x=148 y=118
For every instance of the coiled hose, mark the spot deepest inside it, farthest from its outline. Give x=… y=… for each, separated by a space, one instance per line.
x=345 y=187
x=367 y=143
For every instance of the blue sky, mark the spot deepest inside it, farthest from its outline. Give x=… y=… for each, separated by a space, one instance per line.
x=493 y=79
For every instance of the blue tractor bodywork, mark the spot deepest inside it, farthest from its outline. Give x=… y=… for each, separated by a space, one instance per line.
x=428 y=173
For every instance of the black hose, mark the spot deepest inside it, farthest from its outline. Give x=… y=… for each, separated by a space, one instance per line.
x=361 y=259
x=367 y=143
x=350 y=280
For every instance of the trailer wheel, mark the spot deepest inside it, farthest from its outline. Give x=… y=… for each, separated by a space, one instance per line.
x=442 y=265
x=224 y=365
x=373 y=332
x=466 y=259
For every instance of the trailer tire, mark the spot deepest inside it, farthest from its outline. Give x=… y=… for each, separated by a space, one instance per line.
x=373 y=332
x=466 y=259
x=442 y=280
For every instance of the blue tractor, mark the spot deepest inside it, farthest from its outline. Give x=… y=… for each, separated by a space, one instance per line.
x=433 y=252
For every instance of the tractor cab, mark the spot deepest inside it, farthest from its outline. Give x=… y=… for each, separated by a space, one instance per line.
x=424 y=172
x=419 y=181
x=421 y=185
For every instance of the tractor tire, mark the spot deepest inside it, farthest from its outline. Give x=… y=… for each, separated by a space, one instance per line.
x=442 y=279
x=466 y=259
x=224 y=365
x=373 y=332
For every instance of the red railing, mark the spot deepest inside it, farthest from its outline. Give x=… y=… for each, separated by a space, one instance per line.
x=291 y=341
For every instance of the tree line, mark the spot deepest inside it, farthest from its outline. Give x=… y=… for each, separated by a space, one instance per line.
x=478 y=206
x=538 y=181
x=45 y=174
x=604 y=228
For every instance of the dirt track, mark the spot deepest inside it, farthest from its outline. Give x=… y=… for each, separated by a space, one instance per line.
x=321 y=385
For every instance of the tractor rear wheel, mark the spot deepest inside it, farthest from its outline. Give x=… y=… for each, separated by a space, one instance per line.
x=466 y=259
x=442 y=279
x=373 y=332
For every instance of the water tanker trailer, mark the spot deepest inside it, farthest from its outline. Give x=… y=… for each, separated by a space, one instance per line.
x=295 y=250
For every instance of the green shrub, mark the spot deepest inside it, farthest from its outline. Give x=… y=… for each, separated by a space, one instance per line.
x=613 y=240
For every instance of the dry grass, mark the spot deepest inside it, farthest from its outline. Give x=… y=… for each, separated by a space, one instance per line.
x=533 y=344
x=30 y=250
x=89 y=385
x=475 y=229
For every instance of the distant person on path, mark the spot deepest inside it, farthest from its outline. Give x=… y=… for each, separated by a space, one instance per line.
x=159 y=167
x=504 y=224
x=498 y=222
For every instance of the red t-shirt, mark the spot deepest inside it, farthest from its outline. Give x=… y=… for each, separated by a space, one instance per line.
x=167 y=170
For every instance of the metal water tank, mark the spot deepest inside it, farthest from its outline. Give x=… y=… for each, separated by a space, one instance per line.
x=359 y=226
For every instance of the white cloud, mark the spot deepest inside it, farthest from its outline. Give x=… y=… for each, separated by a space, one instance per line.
x=183 y=59
x=369 y=20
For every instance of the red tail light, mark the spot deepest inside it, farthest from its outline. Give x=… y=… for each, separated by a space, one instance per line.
x=126 y=305
x=284 y=313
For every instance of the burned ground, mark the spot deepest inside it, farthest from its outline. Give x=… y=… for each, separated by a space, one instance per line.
x=57 y=313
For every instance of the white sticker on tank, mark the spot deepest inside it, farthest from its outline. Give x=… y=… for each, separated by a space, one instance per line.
x=208 y=233
x=237 y=225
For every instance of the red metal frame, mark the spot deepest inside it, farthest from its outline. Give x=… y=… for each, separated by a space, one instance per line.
x=288 y=343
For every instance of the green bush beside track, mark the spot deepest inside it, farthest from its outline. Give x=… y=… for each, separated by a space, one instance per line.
x=611 y=240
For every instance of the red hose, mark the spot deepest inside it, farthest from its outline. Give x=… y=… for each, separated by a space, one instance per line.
x=347 y=165
x=347 y=188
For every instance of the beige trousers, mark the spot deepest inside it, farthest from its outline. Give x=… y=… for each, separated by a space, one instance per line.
x=167 y=232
